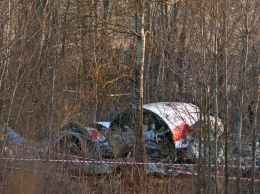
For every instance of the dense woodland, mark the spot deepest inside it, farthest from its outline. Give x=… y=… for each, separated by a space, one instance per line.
x=86 y=61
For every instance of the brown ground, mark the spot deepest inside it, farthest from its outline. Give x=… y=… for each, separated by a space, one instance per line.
x=28 y=177
x=35 y=178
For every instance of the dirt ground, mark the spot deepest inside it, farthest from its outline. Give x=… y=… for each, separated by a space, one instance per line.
x=36 y=178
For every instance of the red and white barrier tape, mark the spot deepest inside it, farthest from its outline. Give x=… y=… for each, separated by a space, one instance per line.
x=122 y=163
x=95 y=161
x=221 y=177
x=138 y=163
x=115 y=162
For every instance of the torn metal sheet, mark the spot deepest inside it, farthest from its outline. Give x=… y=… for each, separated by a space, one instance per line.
x=182 y=119
x=104 y=124
x=101 y=127
x=95 y=134
x=156 y=169
x=174 y=113
x=10 y=135
x=82 y=141
x=168 y=126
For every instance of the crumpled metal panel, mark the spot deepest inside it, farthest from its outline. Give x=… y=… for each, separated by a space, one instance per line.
x=179 y=117
x=175 y=113
x=11 y=136
x=96 y=135
x=105 y=124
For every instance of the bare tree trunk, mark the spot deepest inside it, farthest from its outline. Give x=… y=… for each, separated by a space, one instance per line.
x=139 y=148
x=200 y=162
x=149 y=52
x=226 y=119
x=209 y=140
x=202 y=92
x=93 y=40
x=226 y=134
x=216 y=97
x=254 y=126
x=59 y=53
x=64 y=29
x=106 y=7
x=7 y=43
x=160 y=70
x=95 y=62
x=44 y=29
x=175 y=20
x=181 y=54
x=241 y=98
x=6 y=62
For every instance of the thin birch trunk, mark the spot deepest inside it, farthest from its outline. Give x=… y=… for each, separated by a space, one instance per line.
x=209 y=140
x=226 y=119
x=149 y=53
x=245 y=37
x=216 y=97
x=200 y=171
x=95 y=63
x=44 y=29
x=160 y=71
x=254 y=126
x=139 y=148
x=202 y=50
x=181 y=55
x=6 y=62
x=7 y=37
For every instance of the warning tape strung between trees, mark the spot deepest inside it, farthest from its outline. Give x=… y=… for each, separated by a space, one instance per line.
x=113 y=162
x=122 y=163
x=95 y=161
x=230 y=178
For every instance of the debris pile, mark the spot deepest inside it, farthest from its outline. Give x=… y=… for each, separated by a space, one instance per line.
x=169 y=131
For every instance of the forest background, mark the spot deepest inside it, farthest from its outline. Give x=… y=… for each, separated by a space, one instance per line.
x=86 y=61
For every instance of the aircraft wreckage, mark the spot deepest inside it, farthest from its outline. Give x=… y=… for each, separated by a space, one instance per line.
x=171 y=135
x=170 y=132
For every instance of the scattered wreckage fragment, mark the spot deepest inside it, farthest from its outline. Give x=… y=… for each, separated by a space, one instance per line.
x=10 y=136
x=8 y=139
x=75 y=139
